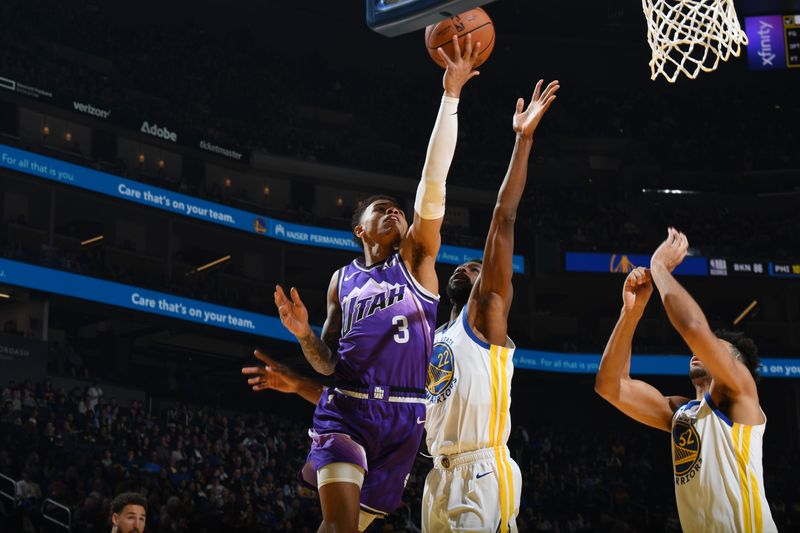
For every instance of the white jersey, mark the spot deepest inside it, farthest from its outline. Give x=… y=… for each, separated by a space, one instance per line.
x=719 y=478
x=474 y=485
x=468 y=391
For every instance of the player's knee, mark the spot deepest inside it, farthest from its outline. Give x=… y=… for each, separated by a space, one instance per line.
x=340 y=473
x=338 y=526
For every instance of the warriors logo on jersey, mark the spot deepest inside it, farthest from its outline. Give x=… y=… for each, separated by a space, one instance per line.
x=719 y=480
x=685 y=451
x=441 y=374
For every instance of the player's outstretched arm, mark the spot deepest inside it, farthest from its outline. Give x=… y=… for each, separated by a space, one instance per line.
x=422 y=244
x=637 y=399
x=688 y=319
x=321 y=353
x=493 y=290
x=278 y=377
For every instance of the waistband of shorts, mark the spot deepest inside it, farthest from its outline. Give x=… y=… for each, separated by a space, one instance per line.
x=447 y=462
x=384 y=393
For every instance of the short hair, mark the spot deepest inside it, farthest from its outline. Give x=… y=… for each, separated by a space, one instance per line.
x=362 y=206
x=744 y=349
x=127 y=498
x=479 y=261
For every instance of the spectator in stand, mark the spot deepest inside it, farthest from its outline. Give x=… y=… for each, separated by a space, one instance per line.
x=28 y=491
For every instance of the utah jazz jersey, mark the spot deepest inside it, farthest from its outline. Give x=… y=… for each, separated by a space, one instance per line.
x=719 y=479
x=388 y=320
x=468 y=391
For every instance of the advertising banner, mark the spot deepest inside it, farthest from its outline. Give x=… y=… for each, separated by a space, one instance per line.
x=184 y=205
x=29 y=357
x=22 y=359
x=138 y=299
x=767 y=49
x=624 y=263
x=642 y=365
x=16 y=86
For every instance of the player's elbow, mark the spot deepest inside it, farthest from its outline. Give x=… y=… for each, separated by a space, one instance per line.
x=690 y=328
x=606 y=388
x=505 y=215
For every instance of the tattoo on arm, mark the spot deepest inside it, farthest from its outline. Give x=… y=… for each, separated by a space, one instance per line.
x=318 y=354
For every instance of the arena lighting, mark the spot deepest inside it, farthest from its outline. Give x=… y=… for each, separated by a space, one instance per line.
x=746 y=312
x=92 y=240
x=4 y=296
x=668 y=191
x=266 y=190
x=209 y=265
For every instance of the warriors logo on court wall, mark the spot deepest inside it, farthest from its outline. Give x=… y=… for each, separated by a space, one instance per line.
x=685 y=451
x=624 y=264
x=260 y=226
x=440 y=372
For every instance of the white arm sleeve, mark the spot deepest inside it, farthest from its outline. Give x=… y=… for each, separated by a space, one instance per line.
x=429 y=203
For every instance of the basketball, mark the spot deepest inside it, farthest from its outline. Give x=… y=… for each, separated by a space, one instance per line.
x=474 y=22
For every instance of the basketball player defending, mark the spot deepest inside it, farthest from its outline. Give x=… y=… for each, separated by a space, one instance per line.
x=378 y=336
x=474 y=485
x=716 y=438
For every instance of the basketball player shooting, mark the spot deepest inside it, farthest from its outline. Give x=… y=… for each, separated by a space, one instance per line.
x=717 y=437
x=474 y=485
x=378 y=335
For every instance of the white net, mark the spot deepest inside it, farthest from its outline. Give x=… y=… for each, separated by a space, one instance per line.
x=691 y=36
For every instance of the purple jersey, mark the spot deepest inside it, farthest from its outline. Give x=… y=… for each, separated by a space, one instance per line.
x=388 y=321
x=375 y=420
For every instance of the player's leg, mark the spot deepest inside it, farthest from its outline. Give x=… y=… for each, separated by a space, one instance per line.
x=339 y=495
x=484 y=494
x=392 y=458
x=468 y=506
x=434 y=502
x=517 y=491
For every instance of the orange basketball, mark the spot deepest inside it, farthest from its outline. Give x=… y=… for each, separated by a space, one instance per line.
x=474 y=22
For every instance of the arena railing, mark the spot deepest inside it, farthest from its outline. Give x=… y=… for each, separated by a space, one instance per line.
x=8 y=482
x=47 y=508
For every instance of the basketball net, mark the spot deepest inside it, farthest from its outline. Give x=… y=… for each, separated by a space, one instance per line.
x=690 y=36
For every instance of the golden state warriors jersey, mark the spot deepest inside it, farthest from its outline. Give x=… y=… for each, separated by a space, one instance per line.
x=719 y=478
x=468 y=390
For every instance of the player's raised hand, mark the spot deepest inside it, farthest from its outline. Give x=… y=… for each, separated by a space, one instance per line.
x=672 y=251
x=527 y=119
x=273 y=375
x=460 y=66
x=293 y=313
x=637 y=290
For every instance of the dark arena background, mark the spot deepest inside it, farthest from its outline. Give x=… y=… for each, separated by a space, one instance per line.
x=166 y=164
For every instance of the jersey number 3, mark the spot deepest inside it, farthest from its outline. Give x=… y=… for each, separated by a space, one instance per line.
x=400 y=324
